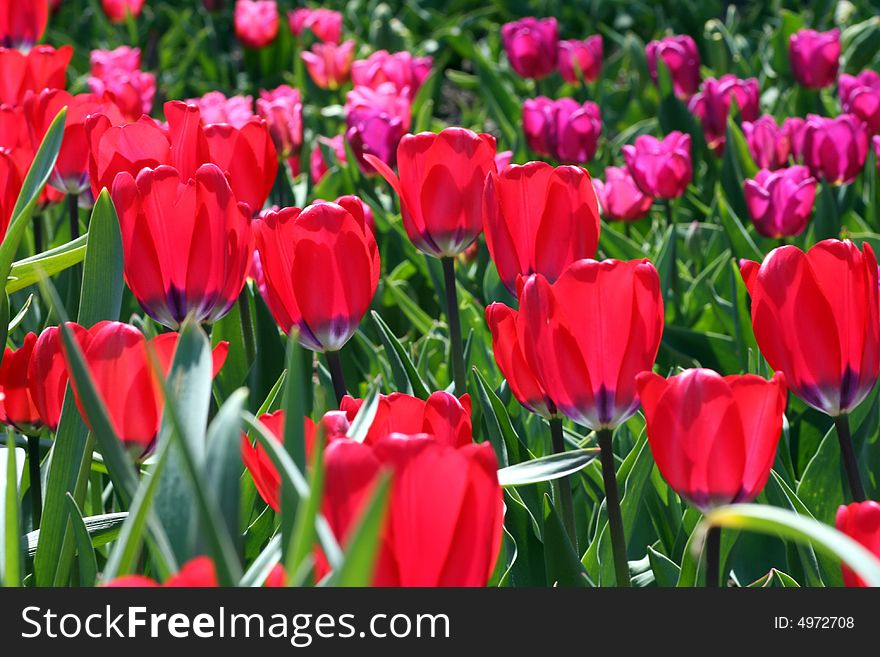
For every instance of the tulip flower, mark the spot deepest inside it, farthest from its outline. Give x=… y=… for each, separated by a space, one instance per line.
x=771 y=145
x=321 y=268
x=10 y=187
x=406 y=73
x=680 y=54
x=619 y=196
x=317 y=164
x=16 y=404
x=42 y=67
x=118 y=10
x=358 y=209
x=713 y=438
x=860 y=96
x=580 y=59
x=780 y=202
x=119 y=361
x=377 y=119
x=328 y=64
x=128 y=147
x=539 y=220
x=712 y=106
x=325 y=24
x=661 y=169
x=22 y=23
x=198 y=572
x=531 y=45
x=47 y=372
x=215 y=107
x=256 y=22
x=814 y=57
x=816 y=319
x=562 y=129
x=282 y=110
x=834 y=149
x=861 y=522
x=117 y=72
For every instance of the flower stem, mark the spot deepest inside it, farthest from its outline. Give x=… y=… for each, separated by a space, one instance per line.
x=73 y=212
x=562 y=486
x=334 y=363
x=612 y=504
x=38 y=233
x=673 y=254
x=454 y=326
x=844 y=437
x=247 y=326
x=713 y=557
x=33 y=451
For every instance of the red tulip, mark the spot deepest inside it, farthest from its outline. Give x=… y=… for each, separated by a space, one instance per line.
x=321 y=268
x=42 y=67
x=539 y=220
x=583 y=339
x=771 y=145
x=359 y=210
x=861 y=522
x=531 y=46
x=377 y=119
x=619 y=196
x=661 y=169
x=860 y=95
x=816 y=319
x=10 y=187
x=325 y=24
x=198 y=572
x=118 y=10
x=562 y=129
x=814 y=57
x=834 y=149
x=329 y=65
x=317 y=165
x=712 y=106
x=22 y=23
x=441 y=187
x=713 y=438
x=215 y=107
x=401 y=69
x=580 y=59
x=282 y=110
x=679 y=53
x=256 y=22
x=16 y=405
x=118 y=358
x=117 y=72
x=47 y=372
x=780 y=202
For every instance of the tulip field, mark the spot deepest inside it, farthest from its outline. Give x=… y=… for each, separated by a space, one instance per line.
x=439 y=294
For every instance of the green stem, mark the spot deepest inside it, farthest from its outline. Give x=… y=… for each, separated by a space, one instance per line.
x=73 y=213
x=562 y=487
x=247 y=326
x=673 y=255
x=38 y=233
x=33 y=451
x=334 y=364
x=454 y=326
x=844 y=437
x=612 y=504
x=713 y=557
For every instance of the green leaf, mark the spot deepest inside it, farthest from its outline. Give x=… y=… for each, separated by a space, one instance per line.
x=10 y=557
x=775 y=579
x=224 y=466
x=302 y=538
x=28 y=271
x=358 y=563
x=298 y=381
x=741 y=242
x=560 y=560
x=406 y=377
x=102 y=284
x=101 y=529
x=822 y=487
x=362 y=422
x=88 y=564
x=546 y=468
x=666 y=571
x=263 y=564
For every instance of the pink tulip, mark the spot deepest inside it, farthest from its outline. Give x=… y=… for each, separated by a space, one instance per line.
x=377 y=119
x=580 y=59
x=117 y=10
x=405 y=72
x=562 y=129
x=620 y=197
x=325 y=24
x=661 y=169
x=329 y=65
x=117 y=72
x=256 y=22
x=531 y=45
x=679 y=53
x=215 y=107
x=771 y=144
x=860 y=95
x=282 y=110
x=834 y=149
x=815 y=57
x=712 y=106
x=502 y=159
x=317 y=164
x=780 y=202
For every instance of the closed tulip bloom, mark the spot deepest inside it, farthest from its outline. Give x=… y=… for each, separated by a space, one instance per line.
x=580 y=59
x=328 y=64
x=712 y=106
x=117 y=72
x=376 y=120
x=22 y=23
x=406 y=73
x=359 y=210
x=814 y=57
x=780 y=202
x=17 y=407
x=42 y=67
x=256 y=22
x=531 y=45
x=187 y=243
x=860 y=95
x=325 y=24
x=118 y=10
x=317 y=164
x=829 y=295
x=770 y=145
x=321 y=268
x=619 y=196
x=679 y=53
x=440 y=186
x=861 y=522
x=562 y=129
x=539 y=219
x=282 y=110
x=661 y=169
x=215 y=107
x=834 y=149
x=713 y=438
x=47 y=375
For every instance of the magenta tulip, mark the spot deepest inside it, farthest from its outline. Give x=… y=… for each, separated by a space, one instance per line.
x=661 y=169
x=814 y=57
x=780 y=202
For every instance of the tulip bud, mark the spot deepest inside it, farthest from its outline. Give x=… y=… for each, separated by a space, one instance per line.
x=16 y=404
x=406 y=73
x=814 y=57
x=834 y=149
x=329 y=65
x=325 y=24
x=860 y=96
x=780 y=202
x=118 y=10
x=282 y=110
x=580 y=59
x=619 y=196
x=680 y=54
x=712 y=106
x=531 y=45
x=256 y=22
x=769 y=144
